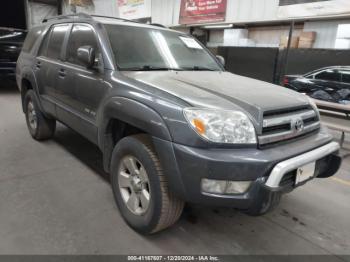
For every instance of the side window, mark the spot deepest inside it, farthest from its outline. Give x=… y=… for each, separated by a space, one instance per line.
x=329 y=75
x=56 y=41
x=81 y=35
x=31 y=39
x=345 y=76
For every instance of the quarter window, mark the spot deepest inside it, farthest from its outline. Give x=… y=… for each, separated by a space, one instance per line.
x=81 y=35
x=58 y=34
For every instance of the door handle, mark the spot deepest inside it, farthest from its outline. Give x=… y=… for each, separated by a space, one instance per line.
x=38 y=65
x=62 y=73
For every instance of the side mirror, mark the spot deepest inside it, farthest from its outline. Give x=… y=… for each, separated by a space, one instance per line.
x=221 y=60
x=86 y=55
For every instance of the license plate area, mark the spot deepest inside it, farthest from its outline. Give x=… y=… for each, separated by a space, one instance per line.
x=305 y=173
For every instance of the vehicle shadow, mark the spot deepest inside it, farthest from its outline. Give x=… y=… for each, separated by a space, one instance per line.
x=82 y=149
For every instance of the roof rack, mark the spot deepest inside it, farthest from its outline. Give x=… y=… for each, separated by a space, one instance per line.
x=116 y=18
x=158 y=25
x=127 y=20
x=69 y=16
x=84 y=15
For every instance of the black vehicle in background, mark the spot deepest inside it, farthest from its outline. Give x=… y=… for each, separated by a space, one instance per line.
x=330 y=84
x=11 y=42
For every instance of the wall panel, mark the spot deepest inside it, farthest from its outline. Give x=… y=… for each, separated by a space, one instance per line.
x=326 y=32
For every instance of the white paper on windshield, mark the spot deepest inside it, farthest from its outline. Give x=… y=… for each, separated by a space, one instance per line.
x=191 y=43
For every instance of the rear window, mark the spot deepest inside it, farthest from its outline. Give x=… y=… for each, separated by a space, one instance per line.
x=57 y=36
x=31 y=39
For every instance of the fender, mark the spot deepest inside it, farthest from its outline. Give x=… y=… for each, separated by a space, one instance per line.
x=128 y=111
x=29 y=75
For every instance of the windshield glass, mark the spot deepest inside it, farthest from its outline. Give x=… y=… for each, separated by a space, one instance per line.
x=140 y=48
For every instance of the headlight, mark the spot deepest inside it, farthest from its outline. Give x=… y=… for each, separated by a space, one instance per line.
x=221 y=126
x=314 y=106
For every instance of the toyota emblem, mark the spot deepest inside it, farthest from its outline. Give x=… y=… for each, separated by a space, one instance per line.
x=298 y=125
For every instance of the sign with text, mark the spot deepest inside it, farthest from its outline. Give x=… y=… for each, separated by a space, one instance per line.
x=134 y=9
x=202 y=11
x=310 y=8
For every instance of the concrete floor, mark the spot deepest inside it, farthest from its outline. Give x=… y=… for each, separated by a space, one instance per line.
x=55 y=199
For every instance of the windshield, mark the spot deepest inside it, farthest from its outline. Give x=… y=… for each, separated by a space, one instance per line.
x=145 y=49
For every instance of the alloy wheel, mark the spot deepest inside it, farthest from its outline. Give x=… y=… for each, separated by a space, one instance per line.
x=134 y=185
x=31 y=114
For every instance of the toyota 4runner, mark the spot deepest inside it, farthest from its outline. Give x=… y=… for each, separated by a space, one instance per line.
x=172 y=124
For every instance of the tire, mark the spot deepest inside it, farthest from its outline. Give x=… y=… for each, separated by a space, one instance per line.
x=39 y=126
x=163 y=208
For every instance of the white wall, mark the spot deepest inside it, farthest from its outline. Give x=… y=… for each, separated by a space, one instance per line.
x=100 y=7
x=165 y=12
x=326 y=32
x=242 y=11
x=37 y=12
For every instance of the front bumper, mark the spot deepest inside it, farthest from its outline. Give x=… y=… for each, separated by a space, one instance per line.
x=282 y=168
x=272 y=170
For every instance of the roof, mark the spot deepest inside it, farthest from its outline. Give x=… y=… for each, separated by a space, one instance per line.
x=101 y=19
x=327 y=68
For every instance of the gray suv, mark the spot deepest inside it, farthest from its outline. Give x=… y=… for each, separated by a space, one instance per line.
x=172 y=124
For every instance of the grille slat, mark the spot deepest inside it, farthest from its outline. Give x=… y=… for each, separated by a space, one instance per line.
x=285 y=124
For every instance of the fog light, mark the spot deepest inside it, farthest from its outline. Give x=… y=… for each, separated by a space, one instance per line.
x=238 y=187
x=214 y=186
x=224 y=187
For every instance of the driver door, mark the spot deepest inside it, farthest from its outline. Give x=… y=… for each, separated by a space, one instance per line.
x=80 y=89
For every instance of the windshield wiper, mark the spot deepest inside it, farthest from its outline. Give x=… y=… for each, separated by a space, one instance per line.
x=199 y=68
x=151 y=68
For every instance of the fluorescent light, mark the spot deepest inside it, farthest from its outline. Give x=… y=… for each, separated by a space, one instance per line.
x=218 y=26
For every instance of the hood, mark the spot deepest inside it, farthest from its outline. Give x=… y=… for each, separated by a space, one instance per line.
x=221 y=90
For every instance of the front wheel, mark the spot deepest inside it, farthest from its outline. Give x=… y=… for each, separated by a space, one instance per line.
x=140 y=187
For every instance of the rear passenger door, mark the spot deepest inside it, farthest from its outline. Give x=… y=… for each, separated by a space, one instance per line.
x=79 y=89
x=47 y=64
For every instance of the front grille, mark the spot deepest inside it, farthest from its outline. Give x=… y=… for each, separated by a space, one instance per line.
x=285 y=124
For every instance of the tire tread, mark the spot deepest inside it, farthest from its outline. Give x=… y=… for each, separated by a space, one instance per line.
x=171 y=205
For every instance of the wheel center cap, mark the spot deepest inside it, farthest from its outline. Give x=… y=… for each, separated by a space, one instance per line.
x=136 y=184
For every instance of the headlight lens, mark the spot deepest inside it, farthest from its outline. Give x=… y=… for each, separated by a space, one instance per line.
x=221 y=126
